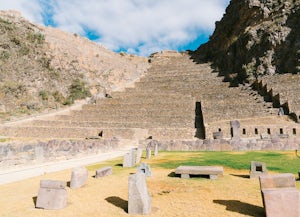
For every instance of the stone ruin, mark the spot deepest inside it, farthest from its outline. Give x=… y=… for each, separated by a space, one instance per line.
x=144 y=168
x=139 y=200
x=79 y=177
x=52 y=195
x=153 y=145
x=105 y=171
x=129 y=159
x=257 y=169
x=280 y=196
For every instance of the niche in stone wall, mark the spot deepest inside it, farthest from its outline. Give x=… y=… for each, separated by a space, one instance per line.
x=199 y=122
x=244 y=131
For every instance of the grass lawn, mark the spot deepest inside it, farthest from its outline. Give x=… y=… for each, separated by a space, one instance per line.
x=281 y=162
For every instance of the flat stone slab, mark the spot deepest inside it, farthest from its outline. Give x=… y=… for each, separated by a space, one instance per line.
x=212 y=171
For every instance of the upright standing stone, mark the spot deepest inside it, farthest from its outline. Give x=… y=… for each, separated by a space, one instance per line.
x=280 y=195
x=156 y=149
x=139 y=154
x=235 y=126
x=79 y=177
x=52 y=195
x=144 y=168
x=282 y=202
x=257 y=169
x=148 y=153
x=139 y=200
x=129 y=159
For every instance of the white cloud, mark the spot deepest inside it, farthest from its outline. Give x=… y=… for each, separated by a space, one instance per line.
x=29 y=9
x=142 y=26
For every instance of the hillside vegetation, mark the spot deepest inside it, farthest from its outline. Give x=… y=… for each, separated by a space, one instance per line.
x=44 y=68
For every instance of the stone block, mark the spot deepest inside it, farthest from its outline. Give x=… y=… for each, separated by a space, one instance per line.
x=211 y=171
x=129 y=160
x=148 y=153
x=52 y=195
x=156 y=149
x=257 y=169
x=281 y=202
x=284 y=180
x=139 y=200
x=145 y=168
x=139 y=154
x=235 y=126
x=105 y=171
x=218 y=135
x=79 y=177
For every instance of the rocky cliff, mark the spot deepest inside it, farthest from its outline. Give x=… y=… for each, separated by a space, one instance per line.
x=255 y=38
x=44 y=68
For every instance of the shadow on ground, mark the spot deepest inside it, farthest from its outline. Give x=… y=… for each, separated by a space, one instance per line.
x=118 y=202
x=242 y=207
x=173 y=174
x=34 y=199
x=241 y=176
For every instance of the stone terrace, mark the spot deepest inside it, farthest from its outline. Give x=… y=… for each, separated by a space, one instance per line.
x=284 y=90
x=177 y=99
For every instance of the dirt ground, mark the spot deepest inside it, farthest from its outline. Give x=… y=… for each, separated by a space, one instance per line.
x=234 y=194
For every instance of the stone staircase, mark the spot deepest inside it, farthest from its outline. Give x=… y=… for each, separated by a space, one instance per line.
x=177 y=99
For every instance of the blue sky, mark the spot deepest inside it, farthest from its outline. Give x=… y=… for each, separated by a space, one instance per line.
x=135 y=26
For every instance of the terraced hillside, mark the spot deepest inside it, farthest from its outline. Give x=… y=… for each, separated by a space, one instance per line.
x=177 y=99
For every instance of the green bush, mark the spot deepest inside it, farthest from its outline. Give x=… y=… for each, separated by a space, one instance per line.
x=77 y=90
x=44 y=95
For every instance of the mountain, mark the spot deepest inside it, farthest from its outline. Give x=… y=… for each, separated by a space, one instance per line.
x=43 y=68
x=255 y=38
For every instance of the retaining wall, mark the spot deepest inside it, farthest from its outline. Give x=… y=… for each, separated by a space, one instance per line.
x=15 y=154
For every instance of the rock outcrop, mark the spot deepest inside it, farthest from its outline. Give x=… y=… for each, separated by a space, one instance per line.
x=255 y=38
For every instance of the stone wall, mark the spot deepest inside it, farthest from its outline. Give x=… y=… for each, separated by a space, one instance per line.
x=255 y=131
x=280 y=144
x=15 y=154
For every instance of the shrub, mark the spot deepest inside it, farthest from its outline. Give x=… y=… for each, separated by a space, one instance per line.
x=44 y=95
x=58 y=97
x=77 y=90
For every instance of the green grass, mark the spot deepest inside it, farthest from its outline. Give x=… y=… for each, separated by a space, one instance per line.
x=283 y=162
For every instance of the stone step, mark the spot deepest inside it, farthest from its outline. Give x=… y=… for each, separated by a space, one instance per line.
x=154 y=119
x=135 y=111
x=182 y=88
x=145 y=102
x=155 y=133
x=154 y=94
x=122 y=133
x=197 y=83
x=197 y=74
x=182 y=78
x=47 y=132
x=145 y=108
x=108 y=124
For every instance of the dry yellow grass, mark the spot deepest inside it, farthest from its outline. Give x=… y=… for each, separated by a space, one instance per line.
x=230 y=195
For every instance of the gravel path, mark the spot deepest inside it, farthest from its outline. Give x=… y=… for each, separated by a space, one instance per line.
x=17 y=174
